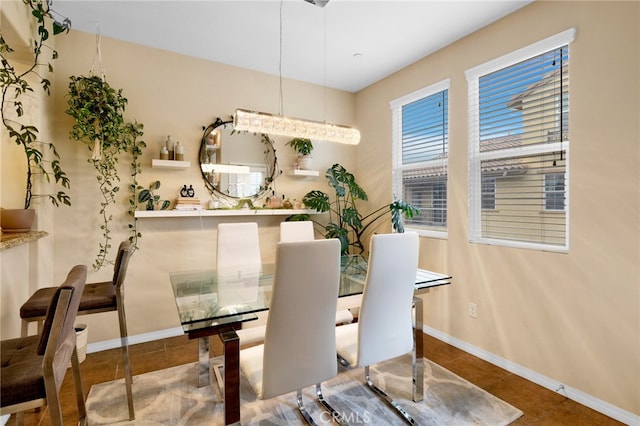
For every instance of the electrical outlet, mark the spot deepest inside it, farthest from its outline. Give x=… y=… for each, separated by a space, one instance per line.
x=473 y=310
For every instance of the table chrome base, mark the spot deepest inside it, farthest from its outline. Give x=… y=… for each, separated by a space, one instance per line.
x=203 y=362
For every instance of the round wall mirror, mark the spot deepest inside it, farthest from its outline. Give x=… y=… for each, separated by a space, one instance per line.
x=236 y=164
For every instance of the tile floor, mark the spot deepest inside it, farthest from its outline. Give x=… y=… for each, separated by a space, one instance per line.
x=541 y=407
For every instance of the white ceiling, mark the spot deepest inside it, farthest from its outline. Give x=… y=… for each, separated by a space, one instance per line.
x=348 y=44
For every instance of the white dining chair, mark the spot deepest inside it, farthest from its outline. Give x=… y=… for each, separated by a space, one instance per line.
x=238 y=245
x=238 y=267
x=384 y=329
x=238 y=262
x=299 y=349
x=293 y=231
x=296 y=231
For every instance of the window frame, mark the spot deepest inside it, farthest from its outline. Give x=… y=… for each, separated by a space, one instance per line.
x=397 y=166
x=476 y=157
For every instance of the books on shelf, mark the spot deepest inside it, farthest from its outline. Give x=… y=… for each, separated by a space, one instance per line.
x=187 y=203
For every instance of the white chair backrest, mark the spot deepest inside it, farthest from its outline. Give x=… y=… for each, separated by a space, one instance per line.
x=385 y=328
x=238 y=245
x=300 y=344
x=238 y=263
x=296 y=231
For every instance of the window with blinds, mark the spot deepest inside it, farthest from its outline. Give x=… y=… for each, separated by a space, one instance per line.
x=420 y=152
x=519 y=147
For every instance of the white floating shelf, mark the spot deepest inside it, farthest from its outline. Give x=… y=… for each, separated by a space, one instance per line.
x=222 y=212
x=299 y=172
x=170 y=164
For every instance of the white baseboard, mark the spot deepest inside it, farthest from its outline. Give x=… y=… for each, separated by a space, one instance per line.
x=574 y=394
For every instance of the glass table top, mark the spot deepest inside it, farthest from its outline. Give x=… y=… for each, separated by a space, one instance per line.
x=210 y=298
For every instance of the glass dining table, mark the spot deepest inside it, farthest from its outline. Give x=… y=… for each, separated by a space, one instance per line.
x=219 y=302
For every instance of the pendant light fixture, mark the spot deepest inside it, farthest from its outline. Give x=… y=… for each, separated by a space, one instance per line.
x=262 y=122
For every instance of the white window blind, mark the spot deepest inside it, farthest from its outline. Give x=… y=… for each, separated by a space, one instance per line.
x=420 y=153
x=519 y=147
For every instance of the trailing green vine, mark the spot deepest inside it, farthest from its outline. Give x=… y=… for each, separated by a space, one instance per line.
x=98 y=110
x=15 y=84
x=136 y=169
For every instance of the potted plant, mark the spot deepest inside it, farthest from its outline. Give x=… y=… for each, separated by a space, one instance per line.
x=98 y=111
x=151 y=199
x=42 y=158
x=345 y=221
x=303 y=148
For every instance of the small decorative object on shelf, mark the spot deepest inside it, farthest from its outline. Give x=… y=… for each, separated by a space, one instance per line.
x=244 y=204
x=179 y=151
x=187 y=203
x=170 y=147
x=274 y=201
x=187 y=199
x=187 y=192
x=164 y=153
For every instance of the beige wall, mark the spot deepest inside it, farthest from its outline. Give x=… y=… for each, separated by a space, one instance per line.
x=573 y=317
x=177 y=95
x=25 y=268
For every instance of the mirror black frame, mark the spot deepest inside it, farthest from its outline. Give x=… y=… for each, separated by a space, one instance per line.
x=271 y=161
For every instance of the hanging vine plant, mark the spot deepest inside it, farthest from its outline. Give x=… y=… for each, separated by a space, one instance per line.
x=98 y=110
x=16 y=85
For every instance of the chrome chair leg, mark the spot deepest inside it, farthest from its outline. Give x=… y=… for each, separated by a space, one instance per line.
x=303 y=410
x=335 y=416
x=343 y=362
x=387 y=398
x=418 y=353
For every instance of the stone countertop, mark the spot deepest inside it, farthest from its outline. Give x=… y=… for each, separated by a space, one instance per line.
x=8 y=241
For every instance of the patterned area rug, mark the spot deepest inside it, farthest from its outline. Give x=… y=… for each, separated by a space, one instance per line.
x=171 y=397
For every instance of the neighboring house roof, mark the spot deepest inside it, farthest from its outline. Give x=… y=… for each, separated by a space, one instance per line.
x=501 y=142
x=516 y=100
x=502 y=167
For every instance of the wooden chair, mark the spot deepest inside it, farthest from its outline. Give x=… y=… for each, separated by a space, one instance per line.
x=384 y=329
x=34 y=367
x=299 y=347
x=97 y=297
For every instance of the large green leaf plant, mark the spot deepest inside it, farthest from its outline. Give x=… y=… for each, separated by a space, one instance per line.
x=346 y=223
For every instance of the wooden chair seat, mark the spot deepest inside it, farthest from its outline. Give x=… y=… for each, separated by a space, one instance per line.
x=22 y=378
x=97 y=297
